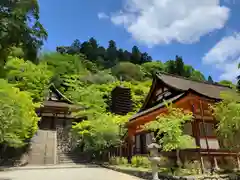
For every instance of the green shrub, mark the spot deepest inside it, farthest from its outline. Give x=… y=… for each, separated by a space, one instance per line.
x=118 y=160
x=18 y=120
x=194 y=167
x=128 y=71
x=140 y=161
x=166 y=162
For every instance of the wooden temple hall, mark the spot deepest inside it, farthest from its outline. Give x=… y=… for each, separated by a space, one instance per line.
x=190 y=95
x=56 y=111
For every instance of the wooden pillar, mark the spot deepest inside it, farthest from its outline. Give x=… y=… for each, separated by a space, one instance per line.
x=205 y=134
x=196 y=134
x=130 y=144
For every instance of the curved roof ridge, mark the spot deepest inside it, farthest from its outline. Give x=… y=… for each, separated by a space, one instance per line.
x=189 y=79
x=160 y=105
x=53 y=87
x=182 y=84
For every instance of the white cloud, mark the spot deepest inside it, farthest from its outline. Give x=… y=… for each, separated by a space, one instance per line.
x=102 y=15
x=225 y=56
x=155 y=22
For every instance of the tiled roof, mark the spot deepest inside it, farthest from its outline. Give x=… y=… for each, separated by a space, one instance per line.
x=157 y=106
x=184 y=84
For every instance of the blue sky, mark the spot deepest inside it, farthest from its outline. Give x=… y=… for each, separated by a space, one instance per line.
x=205 y=33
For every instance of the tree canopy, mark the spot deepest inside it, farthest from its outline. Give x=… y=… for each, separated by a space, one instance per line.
x=84 y=71
x=18 y=120
x=20 y=27
x=227 y=113
x=169 y=128
x=29 y=77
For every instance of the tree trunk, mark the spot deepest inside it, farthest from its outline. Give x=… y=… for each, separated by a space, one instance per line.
x=4 y=147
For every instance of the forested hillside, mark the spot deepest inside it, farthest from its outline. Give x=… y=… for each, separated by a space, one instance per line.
x=85 y=72
x=120 y=61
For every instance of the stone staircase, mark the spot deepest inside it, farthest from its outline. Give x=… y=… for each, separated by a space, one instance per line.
x=43 y=148
x=68 y=158
x=66 y=155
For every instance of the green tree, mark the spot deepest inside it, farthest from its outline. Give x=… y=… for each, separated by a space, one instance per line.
x=210 y=80
x=136 y=55
x=197 y=75
x=74 y=48
x=238 y=79
x=169 y=128
x=128 y=71
x=94 y=45
x=15 y=29
x=188 y=71
x=145 y=58
x=227 y=83
x=170 y=67
x=111 y=54
x=63 y=65
x=62 y=49
x=227 y=113
x=18 y=120
x=100 y=77
x=151 y=68
x=29 y=77
x=101 y=132
x=179 y=65
x=127 y=56
x=121 y=55
x=101 y=129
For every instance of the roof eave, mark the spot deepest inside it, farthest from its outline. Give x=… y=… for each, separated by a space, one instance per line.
x=149 y=93
x=147 y=112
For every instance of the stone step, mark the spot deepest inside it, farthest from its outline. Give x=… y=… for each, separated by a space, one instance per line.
x=65 y=161
x=68 y=157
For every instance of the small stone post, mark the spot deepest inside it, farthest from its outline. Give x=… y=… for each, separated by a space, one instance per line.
x=154 y=158
x=238 y=161
x=216 y=168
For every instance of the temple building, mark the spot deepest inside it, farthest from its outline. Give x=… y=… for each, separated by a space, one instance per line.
x=194 y=96
x=53 y=143
x=56 y=110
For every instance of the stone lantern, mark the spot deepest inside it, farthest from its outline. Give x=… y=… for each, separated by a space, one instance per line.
x=154 y=158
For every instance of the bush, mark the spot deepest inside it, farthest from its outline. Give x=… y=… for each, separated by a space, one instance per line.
x=29 y=77
x=98 y=78
x=118 y=160
x=228 y=164
x=128 y=72
x=166 y=162
x=17 y=116
x=194 y=167
x=140 y=161
x=151 y=68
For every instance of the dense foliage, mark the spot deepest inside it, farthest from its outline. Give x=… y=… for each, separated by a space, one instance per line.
x=227 y=112
x=29 y=77
x=121 y=61
x=18 y=120
x=85 y=72
x=169 y=128
x=20 y=27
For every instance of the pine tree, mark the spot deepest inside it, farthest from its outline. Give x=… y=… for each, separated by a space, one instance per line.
x=210 y=80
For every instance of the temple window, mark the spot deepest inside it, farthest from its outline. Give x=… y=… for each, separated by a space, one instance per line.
x=187 y=128
x=137 y=144
x=209 y=129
